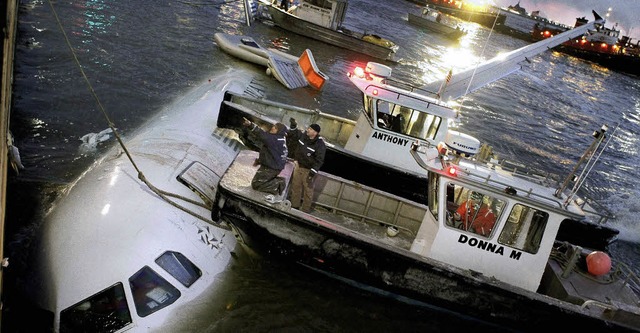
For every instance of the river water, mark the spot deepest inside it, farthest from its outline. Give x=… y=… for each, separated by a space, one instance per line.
x=140 y=56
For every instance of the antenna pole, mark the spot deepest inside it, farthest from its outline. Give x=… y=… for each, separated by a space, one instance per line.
x=598 y=137
x=247 y=12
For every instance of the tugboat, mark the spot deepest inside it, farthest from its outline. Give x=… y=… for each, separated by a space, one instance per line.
x=322 y=20
x=394 y=116
x=483 y=244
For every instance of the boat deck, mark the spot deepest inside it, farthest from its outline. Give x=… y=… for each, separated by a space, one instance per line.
x=342 y=203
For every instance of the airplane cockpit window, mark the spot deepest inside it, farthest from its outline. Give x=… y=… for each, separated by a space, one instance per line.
x=151 y=292
x=106 y=311
x=179 y=267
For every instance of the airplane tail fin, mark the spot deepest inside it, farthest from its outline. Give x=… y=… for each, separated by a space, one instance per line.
x=596 y=16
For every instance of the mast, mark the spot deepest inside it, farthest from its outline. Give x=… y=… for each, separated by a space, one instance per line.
x=247 y=11
x=598 y=136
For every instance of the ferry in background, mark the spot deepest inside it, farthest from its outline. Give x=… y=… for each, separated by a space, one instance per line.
x=484 y=15
x=603 y=46
x=519 y=23
x=438 y=22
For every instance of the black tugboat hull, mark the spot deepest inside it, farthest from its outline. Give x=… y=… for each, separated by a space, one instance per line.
x=295 y=237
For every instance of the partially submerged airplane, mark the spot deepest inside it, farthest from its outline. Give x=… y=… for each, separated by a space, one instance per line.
x=130 y=245
x=395 y=115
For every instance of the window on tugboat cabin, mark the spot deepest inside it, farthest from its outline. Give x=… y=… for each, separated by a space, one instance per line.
x=472 y=211
x=404 y=120
x=524 y=228
x=151 y=292
x=105 y=311
x=179 y=267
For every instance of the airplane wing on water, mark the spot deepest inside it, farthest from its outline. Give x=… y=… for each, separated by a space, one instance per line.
x=503 y=64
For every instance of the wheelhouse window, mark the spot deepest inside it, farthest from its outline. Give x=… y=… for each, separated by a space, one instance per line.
x=472 y=211
x=151 y=292
x=179 y=267
x=368 y=106
x=524 y=228
x=106 y=311
x=407 y=121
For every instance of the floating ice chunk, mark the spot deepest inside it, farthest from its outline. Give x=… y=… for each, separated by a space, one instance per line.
x=90 y=141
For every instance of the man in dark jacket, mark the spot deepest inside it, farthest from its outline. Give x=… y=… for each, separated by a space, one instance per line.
x=272 y=157
x=308 y=150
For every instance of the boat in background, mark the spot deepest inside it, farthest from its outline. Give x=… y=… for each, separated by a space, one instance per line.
x=602 y=45
x=519 y=23
x=292 y=72
x=396 y=114
x=469 y=11
x=322 y=20
x=434 y=20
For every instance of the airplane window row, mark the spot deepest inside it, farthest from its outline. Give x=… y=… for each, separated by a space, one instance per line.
x=109 y=311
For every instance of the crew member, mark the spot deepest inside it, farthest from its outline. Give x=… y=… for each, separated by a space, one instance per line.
x=308 y=151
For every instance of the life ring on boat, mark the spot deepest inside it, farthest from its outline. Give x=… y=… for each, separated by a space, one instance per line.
x=375 y=39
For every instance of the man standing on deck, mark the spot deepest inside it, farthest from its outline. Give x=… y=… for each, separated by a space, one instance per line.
x=308 y=150
x=284 y=5
x=272 y=157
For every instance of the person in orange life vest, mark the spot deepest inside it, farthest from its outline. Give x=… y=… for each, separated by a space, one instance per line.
x=466 y=211
x=463 y=214
x=484 y=221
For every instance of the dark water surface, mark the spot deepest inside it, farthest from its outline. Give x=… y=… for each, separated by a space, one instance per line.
x=139 y=56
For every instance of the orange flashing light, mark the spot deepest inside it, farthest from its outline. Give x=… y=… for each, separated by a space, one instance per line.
x=442 y=148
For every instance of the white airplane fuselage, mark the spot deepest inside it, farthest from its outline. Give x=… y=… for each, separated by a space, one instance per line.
x=110 y=232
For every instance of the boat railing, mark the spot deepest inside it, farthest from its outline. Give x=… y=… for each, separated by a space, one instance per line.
x=410 y=87
x=368 y=205
x=628 y=276
x=335 y=129
x=417 y=149
x=523 y=192
x=591 y=207
x=568 y=255
x=535 y=176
